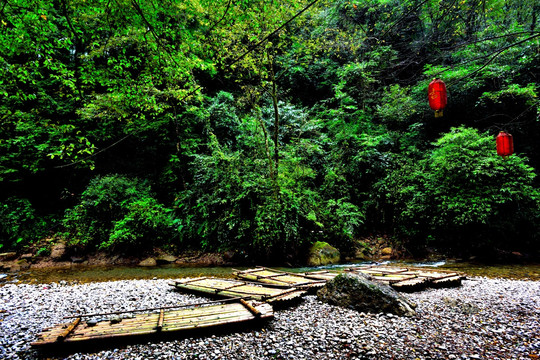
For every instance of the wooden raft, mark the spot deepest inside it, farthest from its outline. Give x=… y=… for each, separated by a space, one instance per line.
x=238 y=288
x=276 y=277
x=164 y=321
x=410 y=278
x=320 y=275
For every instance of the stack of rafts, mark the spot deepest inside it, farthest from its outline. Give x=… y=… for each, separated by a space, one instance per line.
x=247 y=300
x=283 y=278
x=238 y=288
x=409 y=278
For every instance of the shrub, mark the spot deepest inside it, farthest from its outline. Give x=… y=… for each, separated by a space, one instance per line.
x=463 y=196
x=19 y=225
x=117 y=211
x=146 y=224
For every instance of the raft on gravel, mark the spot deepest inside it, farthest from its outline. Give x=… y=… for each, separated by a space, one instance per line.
x=408 y=279
x=283 y=278
x=197 y=316
x=238 y=288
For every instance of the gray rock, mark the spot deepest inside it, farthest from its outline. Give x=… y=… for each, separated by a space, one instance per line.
x=77 y=260
x=359 y=293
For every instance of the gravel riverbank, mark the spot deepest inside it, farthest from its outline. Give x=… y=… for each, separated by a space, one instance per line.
x=483 y=319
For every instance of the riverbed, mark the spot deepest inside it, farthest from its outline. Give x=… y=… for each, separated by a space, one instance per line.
x=485 y=318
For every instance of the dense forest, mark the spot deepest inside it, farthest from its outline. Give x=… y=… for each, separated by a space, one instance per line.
x=262 y=126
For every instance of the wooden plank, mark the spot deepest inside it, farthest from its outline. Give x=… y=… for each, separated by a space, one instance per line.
x=320 y=275
x=150 y=328
x=191 y=280
x=250 y=270
x=211 y=290
x=448 y=281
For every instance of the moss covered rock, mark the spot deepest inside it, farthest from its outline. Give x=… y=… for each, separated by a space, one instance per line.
x=322 y=253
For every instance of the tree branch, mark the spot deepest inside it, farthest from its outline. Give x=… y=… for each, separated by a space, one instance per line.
x=495 y=55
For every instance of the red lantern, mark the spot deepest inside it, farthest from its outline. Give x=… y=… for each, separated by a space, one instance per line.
x=437 y=96
x=505 y=144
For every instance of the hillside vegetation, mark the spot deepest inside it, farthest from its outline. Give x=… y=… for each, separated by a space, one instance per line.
x=265 y=126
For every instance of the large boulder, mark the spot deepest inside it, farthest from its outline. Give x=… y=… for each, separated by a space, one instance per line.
x=359 y=293
x=322 y=253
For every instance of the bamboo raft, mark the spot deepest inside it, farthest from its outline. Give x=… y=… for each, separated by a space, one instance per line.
x=213 y=314
x=283 y=278
x=410 y=279
x=320 y=275
x=238 y=288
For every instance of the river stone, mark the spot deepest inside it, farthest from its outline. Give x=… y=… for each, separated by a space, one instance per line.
x=359 y=293
x=8 y=256
x=148 y=262
x=322 y=253
x=58 y=251
x=23 y=264
x=166 y=259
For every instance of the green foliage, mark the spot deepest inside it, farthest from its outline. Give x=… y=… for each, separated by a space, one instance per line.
x=146 y=224
x=19 y=225
x=234 y=202
x=465 y=196
x=116 y=212
x=397 y=107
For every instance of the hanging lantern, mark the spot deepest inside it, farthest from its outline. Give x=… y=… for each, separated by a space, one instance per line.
x=437 y=96
x=505 y=144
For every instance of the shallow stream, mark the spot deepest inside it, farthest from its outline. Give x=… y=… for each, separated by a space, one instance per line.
x=83 y=274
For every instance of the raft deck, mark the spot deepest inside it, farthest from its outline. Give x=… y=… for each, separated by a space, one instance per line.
x=410 y=279
x=320 y=275
x=162 y=322
x=238 y=288
x=283 y=278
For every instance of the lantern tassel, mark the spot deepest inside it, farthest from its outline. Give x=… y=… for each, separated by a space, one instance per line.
x=438 y=113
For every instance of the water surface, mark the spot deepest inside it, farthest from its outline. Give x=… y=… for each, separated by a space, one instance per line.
x=81 y=273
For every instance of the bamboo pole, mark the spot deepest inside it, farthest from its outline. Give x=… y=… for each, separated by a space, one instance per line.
x=250 y=307
x=157 y=308
x=160 y=320
x=69 y=329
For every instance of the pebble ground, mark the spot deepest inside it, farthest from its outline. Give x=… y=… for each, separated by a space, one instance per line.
x=482 y=319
